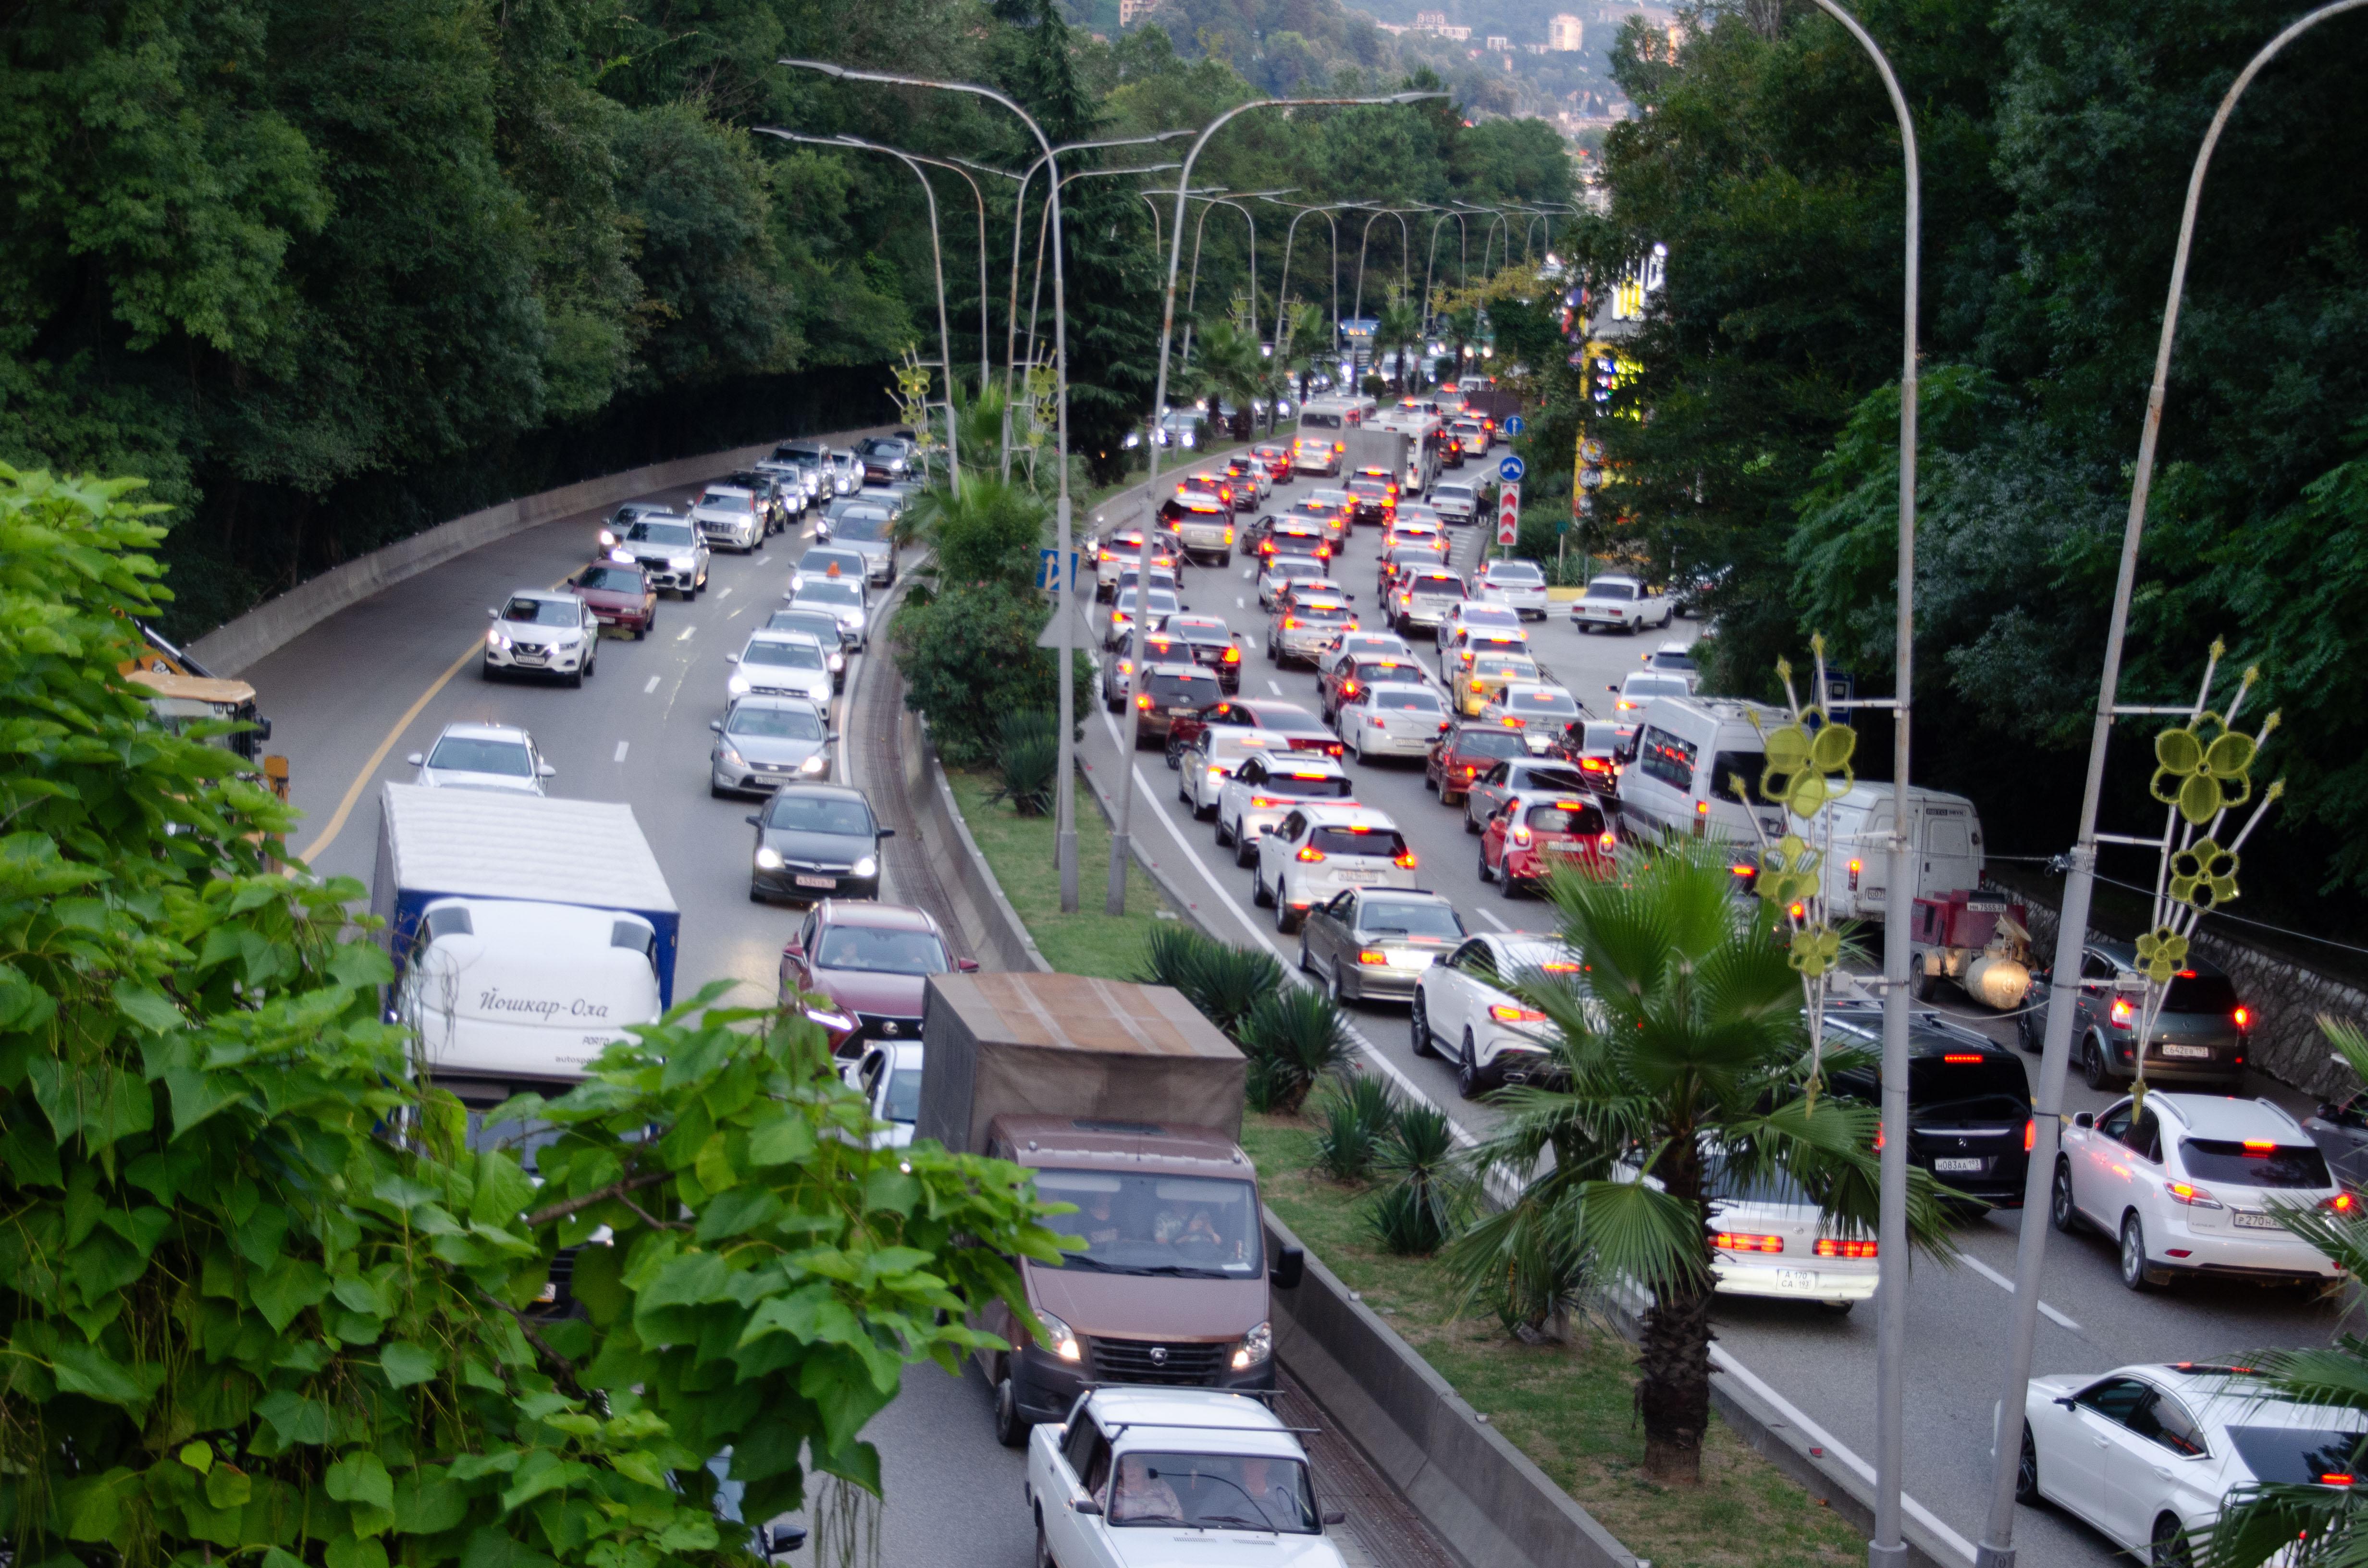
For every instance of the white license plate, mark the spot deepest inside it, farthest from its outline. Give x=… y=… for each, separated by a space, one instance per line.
x=2246 y=1220
x=1411 y=960
x=1355 y=876
x=817 y=882
x=1947 y=1166
x=2198 y=1052
x=1796 y=1279
x=1181 y=713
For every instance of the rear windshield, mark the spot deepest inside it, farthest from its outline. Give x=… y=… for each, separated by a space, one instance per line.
x=1406 y=700
x=2283 y=1455
x=1655 y=686
x=2200 y=993
x=1176 y=690
x=1515 y=571
x=1306 y=787
x=1599 y=589
x=1505 y=666
x=1991 y=1088
x=1322 y=612
x=611 y=579
x=1543 y=702
x=1387 y=916
x=812 y=622
x=2284 y=1165
x=1384 y=841
x=1491 y=742
x=1444 y=585
x=1586 y=820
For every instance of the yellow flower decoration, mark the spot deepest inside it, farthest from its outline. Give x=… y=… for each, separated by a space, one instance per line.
x=1806 y=769
x=1815 y=949
x=2161 y=952
x=2204 y=875
x=1788 y=872
x=2203 y=777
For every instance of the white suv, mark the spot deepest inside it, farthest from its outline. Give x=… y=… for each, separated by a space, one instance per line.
x=1465 y=1009
x=2192 y=1185
x=1211 y=760
x=1317 y=851
x=1267 y=785
x=780 y=664
x=725 y=514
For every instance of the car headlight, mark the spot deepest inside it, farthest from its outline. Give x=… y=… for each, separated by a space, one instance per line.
x=768 y=857
x=797 y=581
x=606 y=539
x=813 y=763
x=738 y=686
x=1257 y=1346
x=868 y=867
x=731 y=758
x=852 y=618
x=1056 y=1337
x=680 y=562
x=838 y=660
x=493 y=638
x=622 y=557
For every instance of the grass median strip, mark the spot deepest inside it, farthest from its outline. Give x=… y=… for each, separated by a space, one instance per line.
x=1020 y=849
x=1569 y=1407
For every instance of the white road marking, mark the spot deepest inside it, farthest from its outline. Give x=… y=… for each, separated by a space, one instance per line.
x=622 y=747
x=685 y=634
x=724 y=591
x=1492 y=920
x=2003 y=1283
x=652 y=686
x=1240 y=603
x=1275 y=686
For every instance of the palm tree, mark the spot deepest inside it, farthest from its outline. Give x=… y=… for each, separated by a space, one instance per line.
x=1227 y=354
x=1399 y=327
x=1682 y=1052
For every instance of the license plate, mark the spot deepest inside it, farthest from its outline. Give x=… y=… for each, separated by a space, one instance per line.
x=1356 y=876
x=1948 y=1166
x=2193 y=1052
x=1181 y=713
x=2248 y=1219
x=805 y=881
x=1796 y=1279
x=1411 y=960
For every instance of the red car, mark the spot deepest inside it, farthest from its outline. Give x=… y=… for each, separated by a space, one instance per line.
x=1534 y=835
x=1466 y=752
x=872 y=961
x=1277 y=458
x=618 y=594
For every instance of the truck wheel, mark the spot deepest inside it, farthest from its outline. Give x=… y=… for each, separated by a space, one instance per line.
x=1928 y=986
x=1011 y=1427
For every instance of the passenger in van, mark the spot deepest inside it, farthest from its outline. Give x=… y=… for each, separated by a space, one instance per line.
x=1101 y=1223
x=1200 y=1231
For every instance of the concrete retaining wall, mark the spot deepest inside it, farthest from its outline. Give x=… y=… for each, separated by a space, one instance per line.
x=995 y=931
x=232 y=647
x=1484 y=1497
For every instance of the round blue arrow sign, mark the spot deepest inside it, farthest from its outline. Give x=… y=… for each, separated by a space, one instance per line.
x=1515 y=424
x=1511 y=470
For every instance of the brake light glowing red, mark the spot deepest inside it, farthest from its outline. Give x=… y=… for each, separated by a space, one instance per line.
x=1829 y=1246
x=2244 y=1017
x=1311 y=854
x=2262 y=1146
x=1607 y=841
x=2123 y=1012
x=1406 y=861
x=1372 y=955
x=1735 y=1241
x=1962 y=1056
x=1505 y=1013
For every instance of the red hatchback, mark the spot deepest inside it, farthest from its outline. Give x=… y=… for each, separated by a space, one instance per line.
x=1277 y=458
x=1466 y=752
x=873 y=962
x=1534 y=835
x=618 y=594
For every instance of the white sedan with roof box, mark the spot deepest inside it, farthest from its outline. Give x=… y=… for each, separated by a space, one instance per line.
x=1391 y=718
x=1216 y=754
x=727 y=513
x=1317 y=851
x=1619 y=603
x=2194 y=1183
x=542 y=632
x=780 y=663
x=1467 y=1008
x=1519 y=585
x=1265 y=786
x=2150 y=1454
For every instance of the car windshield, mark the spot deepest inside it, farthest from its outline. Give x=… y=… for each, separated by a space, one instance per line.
x=1452 y=492
x=540 y=612
x=1584 y=819
x=1220 y=1492
x=728 y=501
x=1406 y=700
x=2296 y=1455
x=1721 y=1184
x=1321 y=612
x=862 y=528
x=775 y=723
x=1357 y=840
x=463 y=754
x=1490 y=615
x=794 y=811
x=1162 y=601
x=1668 y=659
x=1194 y=1226
x=1490 y=742
x=1306 y=786
x=1601 y=589
x=904 y=1102
x=1396 y=918
x=650 y=530
x=827 y=592
x=790 y=656
x=874 y=949
x=2254 y=1163
x=1515 y=571
x=611 y=580
x=1443 y=585
x=1504 y=666
x=1654 y=685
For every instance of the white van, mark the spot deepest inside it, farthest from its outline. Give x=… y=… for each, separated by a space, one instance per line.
x=509 y=989
x=1685 y=751
x=1944 y=847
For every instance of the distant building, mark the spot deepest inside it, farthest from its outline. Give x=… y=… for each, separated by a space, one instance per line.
x=1131 y=11
x=1533 y=48
x=1500 y=43
x=1393 y=29
x=1565 y=34
x=1430 y=21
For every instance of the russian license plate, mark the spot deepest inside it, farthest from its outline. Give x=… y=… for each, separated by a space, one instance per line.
x=1357 y=876
x=1181 y=713
x=1954 y=1165
x=1411 y=960
x=805 y=881
x=1796 y=1279
x=2252 y=1220
x=2191 y=1052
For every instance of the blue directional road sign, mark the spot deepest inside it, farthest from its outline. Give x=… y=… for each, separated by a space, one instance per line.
x=1511 y=470
x=1515 y=424
x=1048 y=574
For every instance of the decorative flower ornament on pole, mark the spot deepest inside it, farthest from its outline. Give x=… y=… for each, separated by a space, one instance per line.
x=2203 y=770
x=1809 y=768
x=912 y=395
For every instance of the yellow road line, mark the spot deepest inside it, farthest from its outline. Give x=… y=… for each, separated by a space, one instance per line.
x=361 y=780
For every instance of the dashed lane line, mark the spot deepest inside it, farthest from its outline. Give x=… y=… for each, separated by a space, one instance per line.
x=652 y=686
x=2003 y=1283
x=622 y=746
x=684 y=635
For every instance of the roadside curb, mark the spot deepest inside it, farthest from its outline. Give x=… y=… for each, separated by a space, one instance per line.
x=1001 y=933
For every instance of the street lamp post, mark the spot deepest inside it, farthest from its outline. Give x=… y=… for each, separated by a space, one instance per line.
x=1997 y=1549
x=1065 y=796
x=978 y=196
x=1292 y=233
x=1192 y=293
x=937 y=268
x=1406 y=242
x=1036 y=289
x=1115 y=904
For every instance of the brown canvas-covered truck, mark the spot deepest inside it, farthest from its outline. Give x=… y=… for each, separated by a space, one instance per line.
x=1125 y=1101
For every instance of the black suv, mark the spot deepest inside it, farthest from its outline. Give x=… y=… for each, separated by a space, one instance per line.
x=1969 y=1119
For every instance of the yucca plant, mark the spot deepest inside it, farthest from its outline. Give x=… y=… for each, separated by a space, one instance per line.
x=1028 y=754
x=1227 y=981
x=1352 y=1118
x=1293 y=1037
x=1417 y=1208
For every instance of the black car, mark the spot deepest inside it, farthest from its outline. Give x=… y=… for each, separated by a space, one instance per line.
x=1969 y=1118
x=883 y=457
x=815 y=841
x=1168 y=692
x=1202 y=639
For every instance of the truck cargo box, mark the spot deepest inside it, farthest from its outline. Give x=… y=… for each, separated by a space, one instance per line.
x=1028 y=1044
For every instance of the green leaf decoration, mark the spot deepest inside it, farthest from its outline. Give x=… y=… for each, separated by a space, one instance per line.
x=1788 y=871
x=2161 y=953
x=1815 y=949
x=2204 y=875
x=1807 y=770
x=2203 y=774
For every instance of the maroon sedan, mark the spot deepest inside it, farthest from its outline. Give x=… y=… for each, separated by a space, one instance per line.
x=1302 y=729
x=1466 y=751
x=618 y=594
x=873 y=962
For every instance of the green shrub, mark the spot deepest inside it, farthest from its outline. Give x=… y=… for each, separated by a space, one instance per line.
x=1416 y=1212
x=1352 y=1118
x=1293 y=1036
x=969 y=657
x=1222 y=981
x=1028 y=754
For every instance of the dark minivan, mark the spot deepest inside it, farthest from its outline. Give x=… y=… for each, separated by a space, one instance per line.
x=1969 y=1119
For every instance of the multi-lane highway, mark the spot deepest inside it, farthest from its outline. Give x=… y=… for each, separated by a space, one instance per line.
x=351 y=698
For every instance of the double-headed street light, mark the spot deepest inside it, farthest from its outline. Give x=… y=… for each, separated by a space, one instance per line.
x=1327 y=209
x=1036 y=289
x=1119 y=841
x=937 y=267
x=1192 y=293
x=1406 y=242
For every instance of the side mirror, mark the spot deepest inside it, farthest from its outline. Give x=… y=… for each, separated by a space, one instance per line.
x=262 y=730
x=2084 y=1119
x=966 y=966
x=777 y=1540
x=792 y=948
x=1290 y=1267
x=886 y=833
x=544 y=770
x=2065 y=1400
x=755 y=820
x=492 y=614
x=417 y=760
x=1087 y=1506
x=716 y=725
x=731 y=658
x=2325 y=1110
